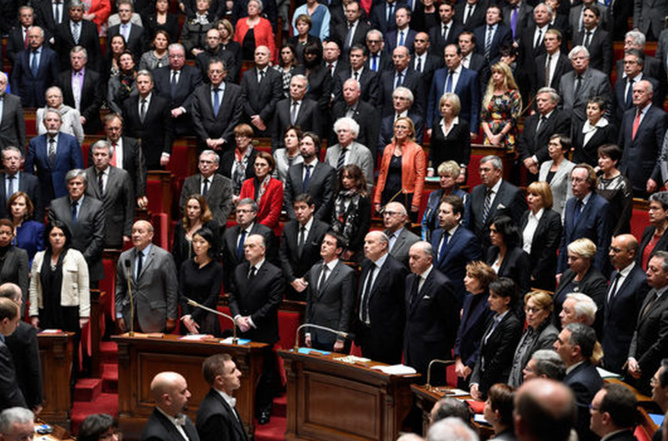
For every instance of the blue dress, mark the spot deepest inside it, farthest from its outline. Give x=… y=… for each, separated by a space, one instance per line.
x=30 y=237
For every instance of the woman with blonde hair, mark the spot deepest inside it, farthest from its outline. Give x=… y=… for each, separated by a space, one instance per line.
x=501 y=107
x=402 y=170
x=450 y=137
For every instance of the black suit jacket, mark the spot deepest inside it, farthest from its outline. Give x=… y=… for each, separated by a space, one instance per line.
x=383 y=340
x=368 y=80
x=44 y=15
x=136 y=43
x=411 y=80
x=320 y=187
x=10 y=394
x=594 y=284
x=544 y=246
x=156 y=132
x=159 y=428
x=217 y=421
x=15 y=43
x=476 y=19
x=294 y=263
x=258 y=298
x=431 y=321
x=309 y=119
x=24 y=348
x=585 y=381
x=535 y=143
x=502 y=36
x=368 y=118
x=588 y=153
x=437 y=43
x=207 y=125
x=563 y=66
x=620 y=317
x=87 y=233
x=188 y=79
x=331 y=303
x=88 y=38
x=16 y=269
x=92 y=95
x=230 y=257
x=378 y=17
x=219 y=195
x=456 y=146
x=227 y=161
x=516 y=265
x=340 y=32
x=261 y=99
x=600 y=49
x=29 y=184
x=647 y=235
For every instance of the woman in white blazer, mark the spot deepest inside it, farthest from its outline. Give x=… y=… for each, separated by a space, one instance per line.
x=557 y=171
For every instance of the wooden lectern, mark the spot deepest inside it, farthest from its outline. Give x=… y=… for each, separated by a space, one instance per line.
x=331 y=400
x=55 y=352
x=141 y=358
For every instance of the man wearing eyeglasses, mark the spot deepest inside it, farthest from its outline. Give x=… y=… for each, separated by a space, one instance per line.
x=401 y=238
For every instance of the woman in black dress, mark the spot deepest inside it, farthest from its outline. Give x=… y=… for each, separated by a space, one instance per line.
x=201 y=279
x=351 y=217
x=450 y=137
x=593 y=133
x=506 y=256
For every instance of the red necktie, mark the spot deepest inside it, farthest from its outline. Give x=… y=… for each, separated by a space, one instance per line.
x=636 y=123
x=113 y=157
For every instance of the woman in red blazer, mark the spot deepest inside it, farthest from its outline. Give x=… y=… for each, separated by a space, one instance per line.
x=263 y=34
x=402 y=170
x=266 y=191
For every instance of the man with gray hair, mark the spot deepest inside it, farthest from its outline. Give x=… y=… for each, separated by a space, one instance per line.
x=366 y=115
x=545 y=363
x=176 y=83
x=17 y=424
x=35 y=69
x=382 y=304
x=635 y=39
x=350 y=152
x=296 y=110
x=544 y=411
x=402 y=103
x=12 y=126
x=451 y=429
x=494 y=197
x=401 y=238
x=632 y=71
x=113 y=187
x=578 y=308
x=78 y=32
x=85 y=217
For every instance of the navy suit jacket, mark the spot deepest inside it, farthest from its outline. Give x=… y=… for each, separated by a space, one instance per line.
x=31 y=88
x=463 y=248
x=189 y=78
x=378 y=17
x=594 y=223
x=52 y=179
x=502 y=36
x=10 y=394
x=411 y=80
x=585 y=381
x=320 y=187
x=475 y=313
x=468 y=90
x=391 y=40
x=620 y=317
x=621 y=106
x=387 y=130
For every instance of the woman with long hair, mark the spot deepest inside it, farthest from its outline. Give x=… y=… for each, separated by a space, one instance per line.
x=351 y=217
x=287 y=64
x=501 y=107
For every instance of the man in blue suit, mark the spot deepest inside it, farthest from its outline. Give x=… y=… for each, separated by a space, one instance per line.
x=52 y=155
x=13 y=180
x=623 y=301
x=403 y=35
x=586 y=215
x=492 y=34
x=35 y=70
x=464 y=82
x=382 y=16
x=454 y=246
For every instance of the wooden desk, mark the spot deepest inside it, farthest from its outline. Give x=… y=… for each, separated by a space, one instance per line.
x=332 y=400
x=140 y=359
x=55 y=351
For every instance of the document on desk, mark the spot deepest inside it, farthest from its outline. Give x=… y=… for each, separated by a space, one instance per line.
x=396 y=369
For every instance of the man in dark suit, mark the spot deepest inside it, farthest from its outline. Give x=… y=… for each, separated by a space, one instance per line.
x=549 y=74
x=216 y=188
x=517 y=16
x=296 y=111
x=300 y=245
x=660 y=394
x=78 y=32
x=400 y=237
x=382 y=15
x=539 y=127
x=113 y=187
x=353 y=31
x=401 y=76
x=626 y=293
x=35 y=70
x=647 y=17
x=313 y=177
x=653 y=66
x=423 y=61
x=576 y=16
x=494 y=197
x=650 y=338
x=126 y=155
x=171 y=395
x=642 y=141
x=586 y=215
x=470 y=14
x=217 y=417
x=52 y=155
x=10 y=394
x=24 y=348
x=261 y=89
x=50 y=14
x=82 y=89
x=255 y=295
x=532 y=43
x=575 y=345
x=446 y=32
x=379 y=60
x=330 y=297
x=85 y=217
x=17 y=40
x=367 y=79
x=597 y=40
x=133 y=34
x=492 y=34
x=152 y=276
x=464 y=82
x=453 y=245
x=402 y=35
x=176 y=83
x=234 y=238
x=613 y=413
x=12 y=124
x=365 y=114
x=431 y=313
x=381 y=309
x=402 y=103
x=214 y=50
x=148 y=119
x=544 y=409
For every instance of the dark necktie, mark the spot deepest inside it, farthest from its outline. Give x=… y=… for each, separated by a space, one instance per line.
x=418 y=67
x=323 y=277
x=613 y=287
x=414 y=290
x=578 y=86
x=547 y=71
x=142 y=110
x=260 y=77
x=140 y=258
x=252 y=272
x=390 y=12
x=175 y=74
x=449 y=80
x=307 y=177
x=10 y=186
x=240 y=247
x=74 y=212
x=76 y=32
x=100 y=183
x=541 y=122
x=444 y=246
x=488 y=43
x=587 y=40
x=342 y=160
x=578 y=211
x=52 y=151
x=300 y=241
x=536 y=43
x=629 y=93
x=293 y=113
x=398 y=83
x=653 y=297
x=205 y=187
x=487 y=205
x=34 y=67
x=216 y=101
x=367 y=294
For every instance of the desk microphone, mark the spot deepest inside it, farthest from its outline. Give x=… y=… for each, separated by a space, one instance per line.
x=346 y=335
x=437 y=361
x=128 y=264
x=222 y=314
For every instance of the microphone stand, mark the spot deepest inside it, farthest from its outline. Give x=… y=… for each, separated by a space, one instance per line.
x=428 y=386
x=128 y=264
x=222 y=314
x=346 y=335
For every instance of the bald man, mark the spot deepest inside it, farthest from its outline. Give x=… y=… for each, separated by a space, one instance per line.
x=168 y=422
x=152 y=274
x=544 y=411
